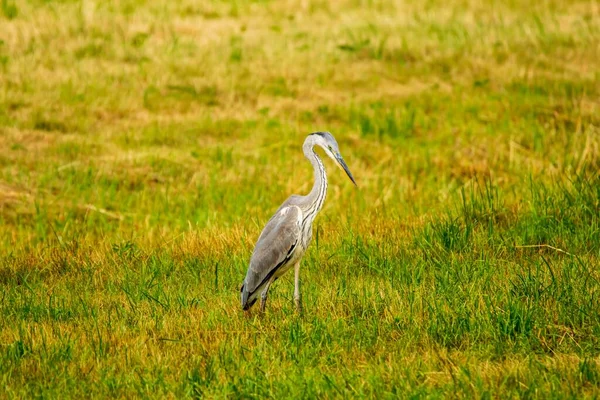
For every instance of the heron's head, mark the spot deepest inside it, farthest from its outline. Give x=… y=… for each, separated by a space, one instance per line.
x=328 y=143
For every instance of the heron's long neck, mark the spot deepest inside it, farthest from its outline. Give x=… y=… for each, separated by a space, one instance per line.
x=316 y=197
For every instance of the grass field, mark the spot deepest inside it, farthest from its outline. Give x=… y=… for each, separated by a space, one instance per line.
x=144 y=144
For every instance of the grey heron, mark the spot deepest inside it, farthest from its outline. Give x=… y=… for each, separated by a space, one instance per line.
x=286 y=236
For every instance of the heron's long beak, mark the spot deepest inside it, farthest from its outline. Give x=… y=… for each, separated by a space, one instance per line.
x=342 y=163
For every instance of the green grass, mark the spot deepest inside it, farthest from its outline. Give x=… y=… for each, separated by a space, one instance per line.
x=143 y=145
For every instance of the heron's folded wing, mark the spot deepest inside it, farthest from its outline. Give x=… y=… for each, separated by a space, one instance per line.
x=274 y=247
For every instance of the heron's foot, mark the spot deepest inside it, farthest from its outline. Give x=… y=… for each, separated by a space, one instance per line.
x=263 y=303
x=298 y=302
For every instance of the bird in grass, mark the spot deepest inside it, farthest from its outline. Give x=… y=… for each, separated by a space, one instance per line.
x=286 y=236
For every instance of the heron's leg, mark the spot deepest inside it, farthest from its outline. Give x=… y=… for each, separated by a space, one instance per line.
x=297 y=297
x=263 y=296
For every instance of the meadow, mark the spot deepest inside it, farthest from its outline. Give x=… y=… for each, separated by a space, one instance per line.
x=144 y=145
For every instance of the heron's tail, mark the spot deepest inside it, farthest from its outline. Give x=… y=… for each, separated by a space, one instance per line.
x=245 y=296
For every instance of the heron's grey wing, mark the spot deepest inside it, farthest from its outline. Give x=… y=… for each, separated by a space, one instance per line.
x=275 y=245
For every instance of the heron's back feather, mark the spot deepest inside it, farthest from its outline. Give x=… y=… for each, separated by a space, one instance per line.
x=274 y=249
